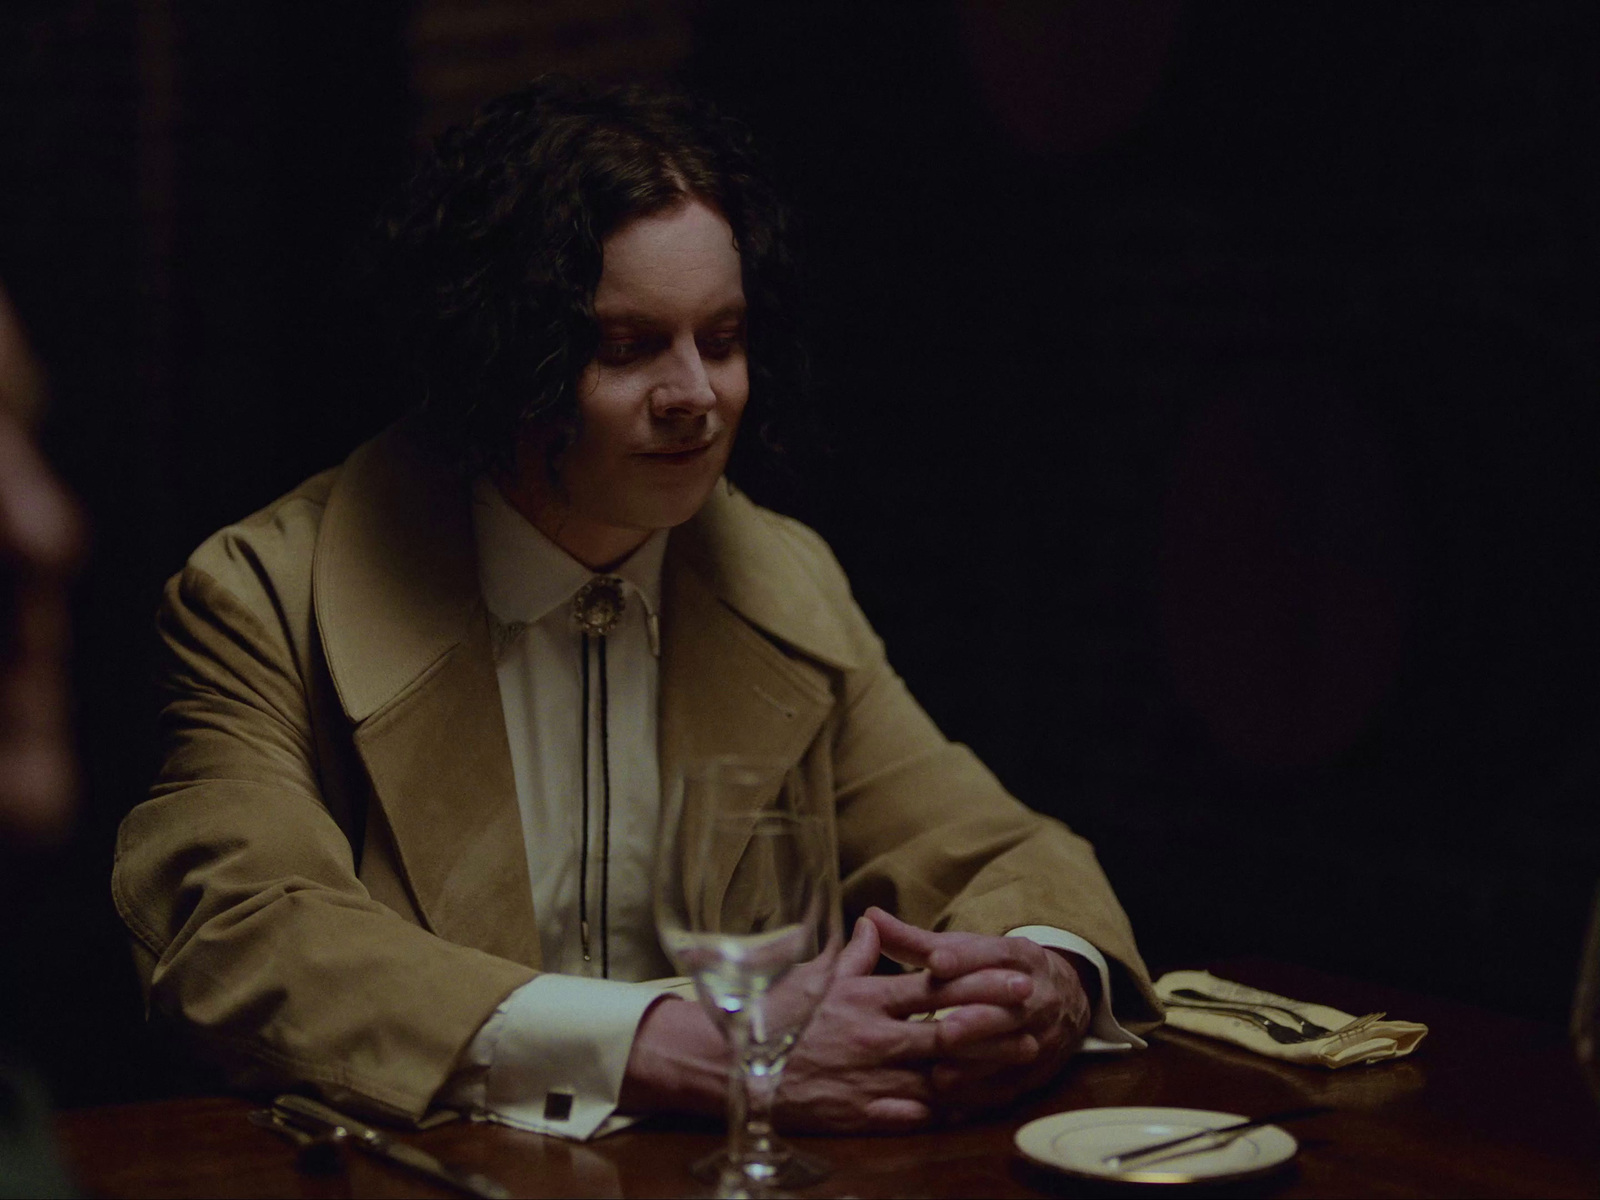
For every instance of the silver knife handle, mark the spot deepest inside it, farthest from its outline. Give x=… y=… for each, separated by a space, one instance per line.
x=307 y=1109
x=304 y=1109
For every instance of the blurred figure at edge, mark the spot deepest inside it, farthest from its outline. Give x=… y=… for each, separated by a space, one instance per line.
x=40 y=543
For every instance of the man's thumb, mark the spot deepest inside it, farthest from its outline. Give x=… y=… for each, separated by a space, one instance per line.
x=906 y=944
x=860 y=956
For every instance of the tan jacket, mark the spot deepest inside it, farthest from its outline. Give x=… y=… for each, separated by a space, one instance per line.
x=328 y=884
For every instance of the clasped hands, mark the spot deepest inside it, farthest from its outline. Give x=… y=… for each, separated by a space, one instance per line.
x=1013 y=1012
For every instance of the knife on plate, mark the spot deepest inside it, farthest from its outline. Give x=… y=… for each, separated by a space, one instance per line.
x=1209 y=1139
x=312 y=1117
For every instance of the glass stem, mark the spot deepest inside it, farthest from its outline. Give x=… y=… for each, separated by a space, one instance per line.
x=752 y=1089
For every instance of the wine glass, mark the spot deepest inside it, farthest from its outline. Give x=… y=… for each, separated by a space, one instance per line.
x=747 y=905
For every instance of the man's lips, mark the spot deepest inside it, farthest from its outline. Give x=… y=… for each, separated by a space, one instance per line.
x=678 y=454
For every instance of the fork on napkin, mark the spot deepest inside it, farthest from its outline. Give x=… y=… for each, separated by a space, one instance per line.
x=1349 y=1040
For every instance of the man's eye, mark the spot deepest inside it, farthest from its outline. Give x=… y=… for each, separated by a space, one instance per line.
x=615 y=352
x=722 y=345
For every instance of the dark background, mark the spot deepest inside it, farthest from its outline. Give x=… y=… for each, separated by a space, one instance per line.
x=1211 y=390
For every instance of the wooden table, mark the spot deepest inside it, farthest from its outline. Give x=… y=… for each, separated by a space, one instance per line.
x=1488 y=1106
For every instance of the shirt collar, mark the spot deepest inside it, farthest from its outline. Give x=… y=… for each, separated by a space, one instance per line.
x=525 y=576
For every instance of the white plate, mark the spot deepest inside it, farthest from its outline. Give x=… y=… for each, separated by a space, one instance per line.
x=1077 y=1143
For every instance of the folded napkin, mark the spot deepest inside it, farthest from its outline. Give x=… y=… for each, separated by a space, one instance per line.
x=1365 y=1040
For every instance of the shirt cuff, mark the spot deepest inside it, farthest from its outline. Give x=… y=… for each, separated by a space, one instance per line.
x=552 y=1057
x=1105 y=1034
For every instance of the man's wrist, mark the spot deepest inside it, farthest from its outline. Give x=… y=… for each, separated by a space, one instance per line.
x=678 y=1062
x=1088 y=973
x=1088 y=980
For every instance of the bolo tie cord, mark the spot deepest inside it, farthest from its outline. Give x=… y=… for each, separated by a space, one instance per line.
x=605 y=818
x=605 y=814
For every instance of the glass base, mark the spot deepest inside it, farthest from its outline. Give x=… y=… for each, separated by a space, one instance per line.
x=793 y=1168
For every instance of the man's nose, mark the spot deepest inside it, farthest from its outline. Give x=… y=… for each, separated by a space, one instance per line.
x=684 y=388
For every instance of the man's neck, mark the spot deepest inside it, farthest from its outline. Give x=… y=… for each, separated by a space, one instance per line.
x=599 y=547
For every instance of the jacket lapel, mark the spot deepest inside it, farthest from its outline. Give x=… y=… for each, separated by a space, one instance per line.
x=395 y=586
x=747 y=641
x=725 y=690
x=729 y=598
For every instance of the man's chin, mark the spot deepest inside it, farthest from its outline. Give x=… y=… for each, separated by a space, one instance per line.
x=669 y=507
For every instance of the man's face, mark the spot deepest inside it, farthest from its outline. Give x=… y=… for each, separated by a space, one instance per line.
x=661 y=401
x=39 y=544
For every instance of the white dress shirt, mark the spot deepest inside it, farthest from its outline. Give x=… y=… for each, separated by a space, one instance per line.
x=552 y=1056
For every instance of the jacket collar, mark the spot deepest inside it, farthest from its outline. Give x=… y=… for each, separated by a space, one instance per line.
x=394 y=575
x=395 y=581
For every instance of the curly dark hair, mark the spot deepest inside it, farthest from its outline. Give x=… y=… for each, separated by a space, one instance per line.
x=492 y=253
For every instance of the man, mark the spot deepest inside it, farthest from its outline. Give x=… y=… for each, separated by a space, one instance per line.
x=422 y=708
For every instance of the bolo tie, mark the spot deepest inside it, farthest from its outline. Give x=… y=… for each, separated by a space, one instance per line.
x=596 y=609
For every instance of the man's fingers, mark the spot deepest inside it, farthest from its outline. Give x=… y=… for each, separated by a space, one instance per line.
x=904 y=943
x=898 y=1083
x=860 y=954
x=973 y=1023
x=915 y=1041
x=917 y=992
x=873 y=1006
x=948 y=955
x=984 y=1007
x=903 y=995
x=941 y=1037
x=958 y=955
x=988 y=986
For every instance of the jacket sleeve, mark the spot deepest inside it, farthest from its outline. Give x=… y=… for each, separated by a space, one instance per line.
x=927 y=832
x=250 y=925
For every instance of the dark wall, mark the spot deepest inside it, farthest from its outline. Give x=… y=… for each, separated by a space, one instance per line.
x=1219 y=460
x=1210 y=390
